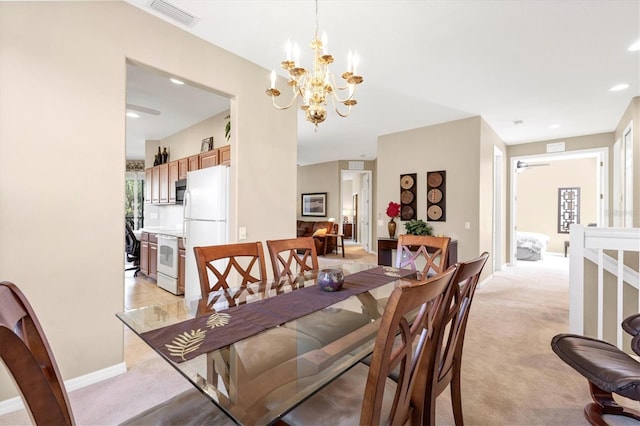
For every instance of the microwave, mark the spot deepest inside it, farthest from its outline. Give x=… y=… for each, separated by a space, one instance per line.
x=181 y=189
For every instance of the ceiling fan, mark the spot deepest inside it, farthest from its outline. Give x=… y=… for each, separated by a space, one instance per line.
x=143 y=109
x=521 y=165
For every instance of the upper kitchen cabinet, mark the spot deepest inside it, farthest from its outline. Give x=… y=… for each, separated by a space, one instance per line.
x=155 y=184
x=193 y=162
x=160 y=181
x=148 y=178
x=183 y=168
x=164 y=183
x=173 y=177
x=209 y=159
x=224 y=155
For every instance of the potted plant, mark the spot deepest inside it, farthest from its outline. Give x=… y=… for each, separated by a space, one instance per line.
x=393 y=211
x=418 y=227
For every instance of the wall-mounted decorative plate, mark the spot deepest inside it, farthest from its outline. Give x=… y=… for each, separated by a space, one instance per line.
x=407 y=182
x=434 y=213
x=406 y=197
x=408 y=204
x=436 y=196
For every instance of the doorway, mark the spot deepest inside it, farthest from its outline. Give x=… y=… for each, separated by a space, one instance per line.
x=355 y=204
x=541 y=214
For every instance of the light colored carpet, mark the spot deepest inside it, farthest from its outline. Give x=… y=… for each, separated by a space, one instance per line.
x=510 y=374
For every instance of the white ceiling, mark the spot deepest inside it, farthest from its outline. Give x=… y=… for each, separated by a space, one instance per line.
x=178 y=106
x=544 y=62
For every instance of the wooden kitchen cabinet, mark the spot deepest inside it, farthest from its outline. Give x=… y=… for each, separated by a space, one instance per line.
x=183 y=168
x=148 y=183
x=209 y=159
x=160 y=181
x=173 y=177
x=194 y=162
x=182 y=258
x=144 y=253
x=224 y=155
x=153 y=256
x=155 y=184
x=164 y=182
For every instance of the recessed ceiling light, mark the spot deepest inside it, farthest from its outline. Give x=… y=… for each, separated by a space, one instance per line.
x=554 y=126
x=619 y=87
x=517 y=122
x=176 y=81
x=132 y=115
x=635 y=46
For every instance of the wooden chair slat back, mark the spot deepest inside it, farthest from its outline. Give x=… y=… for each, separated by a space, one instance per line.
x=432 y=249
x=25 y=351
x=244 y=260
x=291 y=257
x=401 y=353
x=445 y=365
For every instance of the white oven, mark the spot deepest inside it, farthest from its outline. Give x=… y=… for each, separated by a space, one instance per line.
x=168 y=263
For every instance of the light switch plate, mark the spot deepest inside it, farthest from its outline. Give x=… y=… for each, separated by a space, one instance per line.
x=242 y=233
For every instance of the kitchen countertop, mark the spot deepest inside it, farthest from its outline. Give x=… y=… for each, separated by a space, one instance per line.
x=165 y=231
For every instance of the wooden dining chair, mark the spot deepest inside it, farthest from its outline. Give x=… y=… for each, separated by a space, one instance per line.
x=231 y=266
x=369 y=388
x=26 y=353
x=414 y=249
x=446 y=363
x=291 y=257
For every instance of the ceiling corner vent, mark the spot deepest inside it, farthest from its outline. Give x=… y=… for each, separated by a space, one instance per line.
x=174 y=12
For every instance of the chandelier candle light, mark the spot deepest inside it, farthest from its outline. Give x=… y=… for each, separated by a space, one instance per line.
x=318 y=84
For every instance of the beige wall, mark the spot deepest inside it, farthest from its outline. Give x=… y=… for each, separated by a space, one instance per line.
x=455 y=147
x=326 y=177
x=489 y=141
x=189 y=141
x=537 y=204
x=62 y=139
x=321 y=177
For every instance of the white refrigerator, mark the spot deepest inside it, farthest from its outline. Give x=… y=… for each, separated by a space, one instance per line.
x=206 y=210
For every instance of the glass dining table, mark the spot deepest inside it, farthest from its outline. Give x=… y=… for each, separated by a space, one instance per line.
x=257 y=351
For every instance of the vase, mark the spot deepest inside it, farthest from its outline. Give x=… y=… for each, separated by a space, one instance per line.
x=392 y=228
x=330 y=279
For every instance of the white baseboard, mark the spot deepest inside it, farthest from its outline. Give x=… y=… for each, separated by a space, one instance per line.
x=484 y=282
x=15 y=404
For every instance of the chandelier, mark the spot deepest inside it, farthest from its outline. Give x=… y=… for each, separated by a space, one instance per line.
x=315 y=86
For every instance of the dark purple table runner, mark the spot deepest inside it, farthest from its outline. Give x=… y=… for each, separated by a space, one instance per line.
x=190 y=338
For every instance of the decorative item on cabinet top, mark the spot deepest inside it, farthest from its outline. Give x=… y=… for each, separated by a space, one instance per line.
x=207 y=144
x=408 y=196
x=436 y=196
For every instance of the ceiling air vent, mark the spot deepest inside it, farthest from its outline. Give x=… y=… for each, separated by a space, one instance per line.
x=171 y=11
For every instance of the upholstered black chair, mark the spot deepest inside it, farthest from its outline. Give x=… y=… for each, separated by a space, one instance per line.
x=132 y=249
x=608 y=370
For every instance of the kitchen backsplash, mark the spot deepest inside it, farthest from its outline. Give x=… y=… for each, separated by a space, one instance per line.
x=169 y=216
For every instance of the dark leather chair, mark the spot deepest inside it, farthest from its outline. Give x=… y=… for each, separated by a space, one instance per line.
x=132 y=249
x=608 y=370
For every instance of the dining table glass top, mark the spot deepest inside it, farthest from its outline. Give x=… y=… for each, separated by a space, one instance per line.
x=255 y=351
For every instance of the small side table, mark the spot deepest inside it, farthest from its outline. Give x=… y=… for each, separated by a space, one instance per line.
x=339 y=242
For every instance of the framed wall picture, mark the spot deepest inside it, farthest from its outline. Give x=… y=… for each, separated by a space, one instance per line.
x=408 y=196
x=436 y=196
x=314 y=204
x=568 y=208
x=207 y=144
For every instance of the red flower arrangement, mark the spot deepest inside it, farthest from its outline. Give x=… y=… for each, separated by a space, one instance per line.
x=393 y=210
